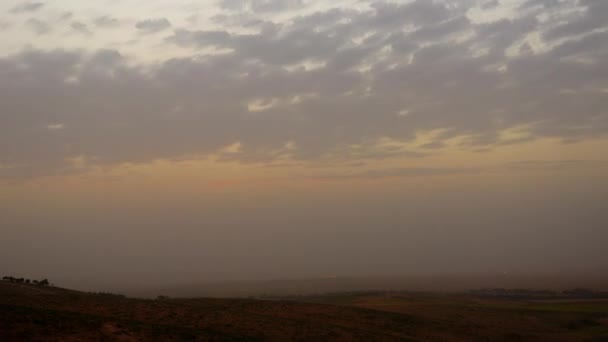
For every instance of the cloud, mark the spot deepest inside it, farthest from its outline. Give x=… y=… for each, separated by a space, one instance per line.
x=153 y=25
x=4 y=24
x=66 y=16
x=27 y=7
x=593 y=17
x=419 y=12
x=55 y=127
x=539 y=3
x=332 y=83
x=442 y=29
x=261 y=6
x=370 y=175
x=404 y=172
x=272 y=47
x=489 y=4
x=80 y=27
x=38 y=26
x=413 y=172
x=556 y=164
x=106 y=21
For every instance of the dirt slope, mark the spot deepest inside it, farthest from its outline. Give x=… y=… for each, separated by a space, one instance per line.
x=31 y=313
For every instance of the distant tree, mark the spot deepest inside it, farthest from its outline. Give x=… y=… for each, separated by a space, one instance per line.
x=35 y=281
x=10 y=279
x=21 y=280
x=27 y=281
x=44 y=282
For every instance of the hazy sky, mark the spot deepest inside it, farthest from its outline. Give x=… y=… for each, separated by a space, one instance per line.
x=181 y=141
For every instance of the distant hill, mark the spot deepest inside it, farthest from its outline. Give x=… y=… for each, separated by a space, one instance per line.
x=456 y=283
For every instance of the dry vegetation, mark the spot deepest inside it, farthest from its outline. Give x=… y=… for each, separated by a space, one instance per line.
x=31 y=312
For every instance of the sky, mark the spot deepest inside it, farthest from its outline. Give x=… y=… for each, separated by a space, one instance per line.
x=170 y=141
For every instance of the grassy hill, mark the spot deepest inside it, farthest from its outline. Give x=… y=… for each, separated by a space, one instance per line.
x=29 y=312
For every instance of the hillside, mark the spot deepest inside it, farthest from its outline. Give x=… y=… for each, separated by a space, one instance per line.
x=29 y=312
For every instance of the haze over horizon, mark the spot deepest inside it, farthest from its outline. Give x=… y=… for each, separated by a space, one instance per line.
x=174 y=141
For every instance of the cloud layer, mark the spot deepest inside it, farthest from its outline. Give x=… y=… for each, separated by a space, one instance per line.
x=313 y=83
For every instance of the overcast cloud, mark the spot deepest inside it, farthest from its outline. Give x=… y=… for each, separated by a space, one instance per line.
x=318 y=81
